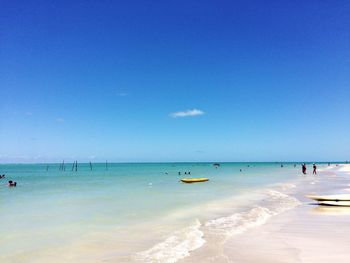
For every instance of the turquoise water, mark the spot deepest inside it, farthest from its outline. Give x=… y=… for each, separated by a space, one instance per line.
x=111 y=214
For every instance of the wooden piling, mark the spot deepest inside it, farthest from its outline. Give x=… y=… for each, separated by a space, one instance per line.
x=90 y=166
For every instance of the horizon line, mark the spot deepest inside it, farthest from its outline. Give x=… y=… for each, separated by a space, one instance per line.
x=165 y=162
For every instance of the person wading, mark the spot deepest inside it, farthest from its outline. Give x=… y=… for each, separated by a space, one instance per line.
x=303 y=168
x=314 y=167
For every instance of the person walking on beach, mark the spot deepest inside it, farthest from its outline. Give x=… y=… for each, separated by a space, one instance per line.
x=314 y=169
x=303 y=168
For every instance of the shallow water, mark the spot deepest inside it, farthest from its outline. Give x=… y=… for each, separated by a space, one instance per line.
x=131 y=212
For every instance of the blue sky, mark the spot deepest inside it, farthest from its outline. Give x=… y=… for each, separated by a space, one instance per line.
x=174 y=80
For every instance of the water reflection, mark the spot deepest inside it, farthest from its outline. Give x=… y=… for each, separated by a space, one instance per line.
x=330 y=209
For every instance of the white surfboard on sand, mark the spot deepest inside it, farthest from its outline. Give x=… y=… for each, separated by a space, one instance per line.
x=335 y=198
x=335 y=203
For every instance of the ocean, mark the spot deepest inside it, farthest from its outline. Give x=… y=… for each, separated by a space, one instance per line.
x=135 y=212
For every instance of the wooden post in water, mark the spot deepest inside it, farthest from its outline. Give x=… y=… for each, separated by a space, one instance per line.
x=63 y=167
x=90 y=166
x=73 y=166
x=106 y=165
x=76 y=166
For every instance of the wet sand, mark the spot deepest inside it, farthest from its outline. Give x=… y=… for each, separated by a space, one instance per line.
x=307 y=233
x=303 y=234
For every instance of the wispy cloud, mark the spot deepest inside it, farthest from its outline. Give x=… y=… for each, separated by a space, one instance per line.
x=122 y=94
x=187 y=113
x=28 y=113
x=60 y=120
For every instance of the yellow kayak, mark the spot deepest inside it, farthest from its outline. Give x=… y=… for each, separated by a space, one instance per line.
x=194 y=180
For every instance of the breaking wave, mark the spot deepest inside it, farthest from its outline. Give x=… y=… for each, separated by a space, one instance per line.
x=274 y=203
x=181 y=243
x=175 y=247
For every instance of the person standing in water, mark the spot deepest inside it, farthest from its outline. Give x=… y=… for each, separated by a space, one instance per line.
x=314 y=167
x=303 y=168
x=12 y=184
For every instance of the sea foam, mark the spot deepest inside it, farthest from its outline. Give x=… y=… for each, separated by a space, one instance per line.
x=274 y=203
x=181 y=243
x=175 y=247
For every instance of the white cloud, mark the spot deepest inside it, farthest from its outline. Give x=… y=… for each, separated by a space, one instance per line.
x=28 y=113
x=187 y=113
x=60 y=120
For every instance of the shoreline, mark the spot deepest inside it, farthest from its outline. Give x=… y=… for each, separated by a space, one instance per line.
x=305 y=233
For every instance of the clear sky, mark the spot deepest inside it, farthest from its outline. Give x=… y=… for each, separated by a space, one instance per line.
x=174 y=80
